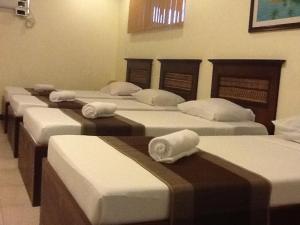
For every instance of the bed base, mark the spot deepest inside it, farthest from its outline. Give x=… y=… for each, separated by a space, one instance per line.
x=4 y=114
x=13 y=122
x=59 y=207
x=30 y=164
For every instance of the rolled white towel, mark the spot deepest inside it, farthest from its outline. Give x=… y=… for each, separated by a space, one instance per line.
x=171 y=147
x=98 y=109
x=43 y=87
x=60 y=96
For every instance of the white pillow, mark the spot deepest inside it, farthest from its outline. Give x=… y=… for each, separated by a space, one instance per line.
x=158 y=97
x=288 y=128
x=217 y=109
x=123 y=88
x=105 y=89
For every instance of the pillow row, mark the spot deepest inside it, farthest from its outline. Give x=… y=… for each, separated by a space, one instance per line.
x=216 y=109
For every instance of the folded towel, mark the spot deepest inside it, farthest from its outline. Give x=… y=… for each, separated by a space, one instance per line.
x=98 y=109
x=171 y=147
x=43 y=87
x=60 y=96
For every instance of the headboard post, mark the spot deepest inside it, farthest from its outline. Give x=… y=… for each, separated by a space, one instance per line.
x=139 y=72
x=251 y=83
x=180 y=76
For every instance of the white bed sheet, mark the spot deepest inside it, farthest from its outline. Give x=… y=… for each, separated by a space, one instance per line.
x=82 y=163
x=11 y=90
x=42 y=123
x=98 y=94
x=125 y=188
x=20 y=102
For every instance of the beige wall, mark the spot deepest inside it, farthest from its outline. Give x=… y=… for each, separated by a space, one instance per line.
x=72 y=45
x=218 y=29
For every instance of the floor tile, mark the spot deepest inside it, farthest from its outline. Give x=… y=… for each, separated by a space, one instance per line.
x=14 y=196
x=17 y=215
x=15 y=206
x=10 y=177
x=8 y=163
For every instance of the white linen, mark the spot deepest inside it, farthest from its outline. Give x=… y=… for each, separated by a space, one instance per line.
x=98 y=94
x=101 y=180
x=171 y=147
x=130 y=104
x=270 y=156
x=115 y=197
x=43 y=87
x=42 y=123
x=11 y=90
x=20 y=102
x=158 y=97
x=217 y=109
x=60 y=96
x=98 y=109
x=122 y=88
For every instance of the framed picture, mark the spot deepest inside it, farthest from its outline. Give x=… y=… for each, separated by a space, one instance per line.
x=274 y=15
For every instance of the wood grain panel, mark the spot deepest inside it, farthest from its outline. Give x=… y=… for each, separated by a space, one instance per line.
x=139 y=72
x=180 y=76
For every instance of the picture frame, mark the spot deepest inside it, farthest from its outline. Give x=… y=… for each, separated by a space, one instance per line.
x=267 y=15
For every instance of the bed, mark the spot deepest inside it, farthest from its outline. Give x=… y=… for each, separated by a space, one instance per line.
x=75 y=164
x=32 y=151
x=138 y=72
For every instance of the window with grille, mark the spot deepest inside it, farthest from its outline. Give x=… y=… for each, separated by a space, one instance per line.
x=154 y=14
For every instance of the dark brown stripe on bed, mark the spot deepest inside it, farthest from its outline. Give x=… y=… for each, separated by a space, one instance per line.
x=106 y=126
x=38 y=93
x=76 y=104
x=182 y=197
x=222 y=193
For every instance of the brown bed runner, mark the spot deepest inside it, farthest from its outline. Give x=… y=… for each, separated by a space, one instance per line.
x=106 y=126
x=76 y=104
x=38 y=93
x=204 y=189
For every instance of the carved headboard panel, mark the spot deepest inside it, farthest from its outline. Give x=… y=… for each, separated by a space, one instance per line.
x=250 y=83
x=139 y=72
x=180 y=76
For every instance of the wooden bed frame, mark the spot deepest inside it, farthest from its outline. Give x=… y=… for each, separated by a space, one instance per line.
x=66 y=210
x=180 y=76
x=139 y=72
x=251 y=83
x=31 y=153
x=60 y=208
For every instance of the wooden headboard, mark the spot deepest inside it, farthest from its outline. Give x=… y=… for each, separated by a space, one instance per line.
x=180 y=76
x=139 y=72
x=251 y=83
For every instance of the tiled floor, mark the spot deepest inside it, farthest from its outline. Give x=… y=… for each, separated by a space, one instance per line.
x=15 y=207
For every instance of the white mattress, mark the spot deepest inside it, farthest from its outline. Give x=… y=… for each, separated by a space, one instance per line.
x=112 y=198
x=131 y=104
x=42 y=123
x=98 y=94
x=20 y=102
x=11 y=90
